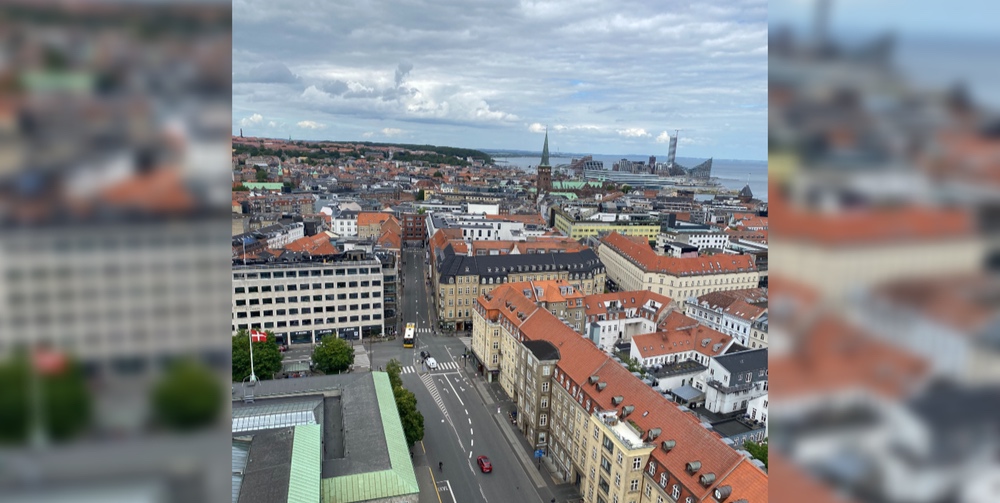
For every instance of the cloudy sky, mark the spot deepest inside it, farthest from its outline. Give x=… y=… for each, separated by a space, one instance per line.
x=604 y=77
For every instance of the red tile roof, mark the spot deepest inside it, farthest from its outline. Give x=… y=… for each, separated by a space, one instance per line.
x=648 y=260
x=580 y=359
x=597 y=304
x=692 y=337
x=318 y=244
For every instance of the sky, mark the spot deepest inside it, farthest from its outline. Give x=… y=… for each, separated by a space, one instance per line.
x=603 y=77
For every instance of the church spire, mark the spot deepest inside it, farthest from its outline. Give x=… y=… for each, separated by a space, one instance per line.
x=545 y=150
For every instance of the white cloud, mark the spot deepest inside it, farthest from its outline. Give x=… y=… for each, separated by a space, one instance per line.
x=310 y=125
x=368 y=134
x=253 y=120
x=272 y=124
x=536 y=128
x=664 y=137
x=634 y=132
x=391 y=131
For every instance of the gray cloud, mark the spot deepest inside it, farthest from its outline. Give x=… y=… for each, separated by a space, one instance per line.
x=476 y=74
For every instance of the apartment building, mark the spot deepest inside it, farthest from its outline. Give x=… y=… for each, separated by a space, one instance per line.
x=460 y=279
x=633 y=265
x=370 y=224
x=610 y=433
x=614 y=318
x=579 y=224
x=735 y=313
x=303 y=299
x=680 y=339
x=555 y=296
x=732 y=380
x=700 y=236
x=479 y=227
x=346 y=223
x=414 y=229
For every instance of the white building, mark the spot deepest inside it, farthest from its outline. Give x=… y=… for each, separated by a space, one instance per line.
x=346 y=223
x=732 y=380
x=279 y=235
x=733 y=313
x=613 y=318
x=477 y=227
x=757 y=410
x=304 y=301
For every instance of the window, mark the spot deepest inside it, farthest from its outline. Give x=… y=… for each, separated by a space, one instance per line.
x=495 y=359
x=603 y=485
x=605 y=465
x=675 y=492
x=636 y=463
x=543 y=420
x=649 y=491
x=544 y=403
x=618 y=480
x=652 y=468
x=545 y=386
x=663 y=480
x=634 y=485
x=496 y=345
x=620 y=459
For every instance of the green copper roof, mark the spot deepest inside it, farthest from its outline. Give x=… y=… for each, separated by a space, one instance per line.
x=304 y=479
x=568 y=195
x=545 y=150
x=399 y=479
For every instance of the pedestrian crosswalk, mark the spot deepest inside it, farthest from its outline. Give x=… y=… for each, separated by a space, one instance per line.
x=424 y=331
x=409 y=369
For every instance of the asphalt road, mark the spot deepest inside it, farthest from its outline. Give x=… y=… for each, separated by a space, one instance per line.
x=458 y=425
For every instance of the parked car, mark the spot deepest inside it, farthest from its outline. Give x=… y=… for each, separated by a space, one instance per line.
x=484 y=464
x=431 y=363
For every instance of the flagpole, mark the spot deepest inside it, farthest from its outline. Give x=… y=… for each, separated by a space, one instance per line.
x=253 y=376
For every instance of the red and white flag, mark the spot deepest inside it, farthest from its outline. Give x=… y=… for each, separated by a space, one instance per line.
x=49 y=362
x=256 y=336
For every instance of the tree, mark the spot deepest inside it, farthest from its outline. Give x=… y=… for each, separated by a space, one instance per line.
x=757 y=450
x=420 y=195
x=65 y=401
x=240 y=188
x=421 y=211
x=333 y=355
x=438 y=174
x=626 y=188
x=189 y=396
x=266 y=357
x=261 y=175
x=409 y=416
x=394 y=369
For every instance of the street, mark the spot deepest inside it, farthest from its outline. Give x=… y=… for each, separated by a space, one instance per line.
x=459 y=424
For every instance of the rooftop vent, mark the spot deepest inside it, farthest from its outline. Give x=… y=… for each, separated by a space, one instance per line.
x=723 y=492
x=653 y=433
x=668 y=445
x=704 y=342
x=617 y=400
x=626 y=410
x=601 y=386
x=716 y=347
x=594 y=379
x=707 y=479
x=693 y=466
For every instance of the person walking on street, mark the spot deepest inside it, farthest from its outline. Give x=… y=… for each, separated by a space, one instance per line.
x=440 y=466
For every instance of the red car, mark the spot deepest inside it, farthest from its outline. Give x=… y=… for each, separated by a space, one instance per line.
x=484 y=464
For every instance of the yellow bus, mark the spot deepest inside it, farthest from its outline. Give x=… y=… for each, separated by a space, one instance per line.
x=410 y=335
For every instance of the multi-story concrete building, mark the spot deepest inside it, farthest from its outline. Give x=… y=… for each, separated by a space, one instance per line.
x=414 y=229
x=614 y=318
x=700 y=236
x=460 y=279
x=734 y=313
x=304 y=299
x=578 y=224
x=633 y=265
x=600 y=427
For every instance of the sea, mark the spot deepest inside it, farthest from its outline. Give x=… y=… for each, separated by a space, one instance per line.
x=730 y=173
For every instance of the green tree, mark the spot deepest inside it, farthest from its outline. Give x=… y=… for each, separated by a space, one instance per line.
x=266 y=357
x=240 y=188
x=626 y=188
x=438 y=174
x=757 y=450
x=412 y=419
x=333 y=355
x=189 y=396
x=261 y=175
x=65 y=401
x=420 y=195
x=394 y=369
x=421 y=211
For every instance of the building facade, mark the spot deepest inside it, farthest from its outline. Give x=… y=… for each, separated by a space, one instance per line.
x=304 y=301
x=635 y=266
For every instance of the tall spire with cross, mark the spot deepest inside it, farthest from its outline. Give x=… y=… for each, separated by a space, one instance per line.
x=545 y=149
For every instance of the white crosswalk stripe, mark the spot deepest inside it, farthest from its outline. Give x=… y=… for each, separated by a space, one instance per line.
x=410 y=369
x=432 y=389
x=407 y=369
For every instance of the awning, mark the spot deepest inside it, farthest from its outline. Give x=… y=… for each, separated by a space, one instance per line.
x=688 y=393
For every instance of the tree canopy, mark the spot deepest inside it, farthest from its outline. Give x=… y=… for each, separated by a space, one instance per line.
x=406 y=404
x=757 y=450
x=65 y=401
x=266 y=357
x=333 y=355
x=189 y=396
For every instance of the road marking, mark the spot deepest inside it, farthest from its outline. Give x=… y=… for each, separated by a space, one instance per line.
x=434 y=480
x=422 y=448
x=470 y=431
x=456 y=394
x=470 y=419
x=470 y=454
x=467 y=413
x=472 y=443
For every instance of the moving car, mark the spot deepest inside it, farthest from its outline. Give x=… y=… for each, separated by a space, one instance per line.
x=431 y=363
x=484 y=464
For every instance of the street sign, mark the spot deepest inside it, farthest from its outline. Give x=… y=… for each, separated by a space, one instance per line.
x=539 y=453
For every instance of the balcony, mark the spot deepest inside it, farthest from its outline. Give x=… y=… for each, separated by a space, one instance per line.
x=735 y=388
x=623 y=431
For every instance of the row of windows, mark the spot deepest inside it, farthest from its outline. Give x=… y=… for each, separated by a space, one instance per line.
x=306 y=298
x=311 y=273
x=306 y=286
x=306 y=310
x=314 y=321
